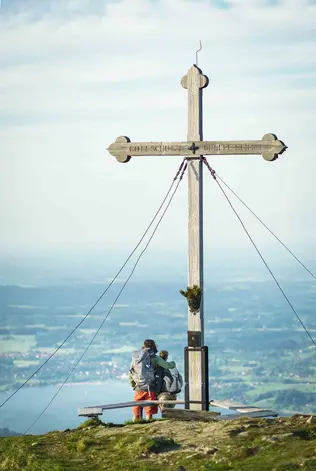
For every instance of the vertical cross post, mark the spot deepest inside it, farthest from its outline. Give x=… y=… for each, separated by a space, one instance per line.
x=196 y=367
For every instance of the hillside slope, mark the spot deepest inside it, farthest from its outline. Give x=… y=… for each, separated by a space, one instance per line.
x=282 y=444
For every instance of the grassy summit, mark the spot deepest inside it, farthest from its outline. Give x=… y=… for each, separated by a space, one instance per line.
x=282 y=444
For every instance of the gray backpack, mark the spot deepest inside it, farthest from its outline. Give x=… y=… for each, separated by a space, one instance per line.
x=173 y=381
x=142 y=370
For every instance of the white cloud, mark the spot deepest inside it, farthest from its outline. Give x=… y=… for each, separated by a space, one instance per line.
x=76 y=74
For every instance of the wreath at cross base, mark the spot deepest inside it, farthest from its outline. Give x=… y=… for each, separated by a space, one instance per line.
x=193 y=295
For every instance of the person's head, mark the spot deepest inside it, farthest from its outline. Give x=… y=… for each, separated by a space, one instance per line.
x=149 y=343
x=164 y=354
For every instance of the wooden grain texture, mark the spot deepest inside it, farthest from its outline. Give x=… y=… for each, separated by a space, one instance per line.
x=123 y=149
x=89 y=411
x=97 y=410
x=189 y=414
x=206 y=416
x=243 y=408
x=194 y=81
x=267 y=413
x=226 y=404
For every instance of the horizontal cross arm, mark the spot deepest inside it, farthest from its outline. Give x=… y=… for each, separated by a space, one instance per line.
x=269 y=147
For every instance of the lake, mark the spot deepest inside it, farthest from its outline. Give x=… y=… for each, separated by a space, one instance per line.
x=20 y=411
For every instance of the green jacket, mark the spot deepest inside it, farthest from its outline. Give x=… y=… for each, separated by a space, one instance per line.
x=158 y=361
x=155 y=361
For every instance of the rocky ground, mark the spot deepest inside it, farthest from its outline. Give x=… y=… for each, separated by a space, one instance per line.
x=282 y=444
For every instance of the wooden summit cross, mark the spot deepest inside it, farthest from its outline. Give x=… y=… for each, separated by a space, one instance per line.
x=196 y=354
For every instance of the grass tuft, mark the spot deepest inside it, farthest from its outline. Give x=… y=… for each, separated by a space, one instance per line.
x=84 y=443
x=159 y=444
x=94 y=422
x=305 y=433
x=138 y=422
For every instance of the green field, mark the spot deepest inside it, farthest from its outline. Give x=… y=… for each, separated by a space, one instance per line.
x=25 y=363
x=17 y=343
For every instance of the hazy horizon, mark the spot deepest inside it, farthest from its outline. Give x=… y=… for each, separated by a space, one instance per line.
x=100 y=267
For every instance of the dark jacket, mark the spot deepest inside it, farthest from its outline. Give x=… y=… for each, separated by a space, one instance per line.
x=160 y=373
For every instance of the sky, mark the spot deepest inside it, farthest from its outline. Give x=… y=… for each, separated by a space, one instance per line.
x=76 y=74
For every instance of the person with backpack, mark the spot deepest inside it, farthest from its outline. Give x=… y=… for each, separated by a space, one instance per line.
x=169 y=383
x=142 y=377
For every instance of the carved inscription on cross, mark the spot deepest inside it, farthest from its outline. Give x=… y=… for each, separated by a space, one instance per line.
x=269 y=147
x=196 y=388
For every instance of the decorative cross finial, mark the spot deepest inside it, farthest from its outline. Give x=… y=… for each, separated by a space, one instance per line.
x=194 y=79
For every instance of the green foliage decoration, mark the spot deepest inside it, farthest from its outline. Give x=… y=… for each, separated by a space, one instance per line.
x=193 y=295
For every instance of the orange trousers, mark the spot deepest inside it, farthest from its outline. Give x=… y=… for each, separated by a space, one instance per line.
x=144 y=396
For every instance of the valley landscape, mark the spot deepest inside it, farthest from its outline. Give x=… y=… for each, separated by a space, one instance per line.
x=258 y=352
